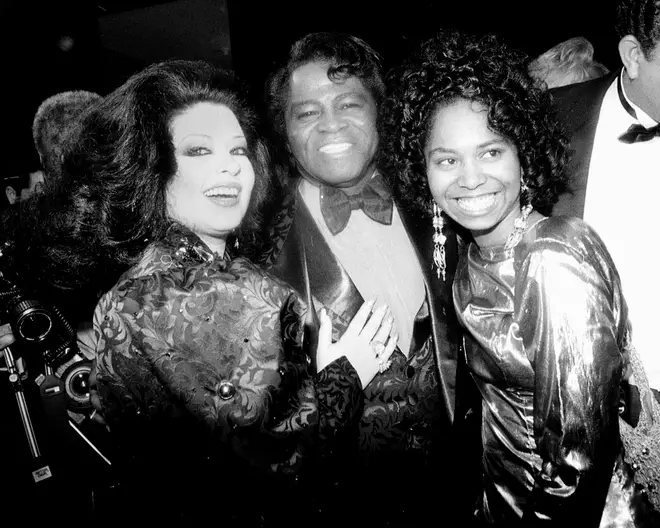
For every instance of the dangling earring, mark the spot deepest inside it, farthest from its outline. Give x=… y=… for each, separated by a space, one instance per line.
x=524 y=191
x=237 y=243
x=438 y=242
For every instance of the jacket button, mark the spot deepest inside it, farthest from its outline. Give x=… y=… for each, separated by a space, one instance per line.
x=227 y=390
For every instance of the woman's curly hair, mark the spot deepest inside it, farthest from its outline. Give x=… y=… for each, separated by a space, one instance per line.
x=454 y=65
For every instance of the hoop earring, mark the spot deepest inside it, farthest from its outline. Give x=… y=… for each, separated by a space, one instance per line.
x=439 y=243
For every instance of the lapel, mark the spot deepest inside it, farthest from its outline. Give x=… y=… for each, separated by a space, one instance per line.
x=442 y=321
x=578 y=108
x=330 y=284
x=333 y=288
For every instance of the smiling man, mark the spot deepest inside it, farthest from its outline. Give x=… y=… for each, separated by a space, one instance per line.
x=324 y=104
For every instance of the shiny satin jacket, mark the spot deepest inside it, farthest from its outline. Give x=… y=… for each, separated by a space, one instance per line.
x=549 y=324
x=199 y=362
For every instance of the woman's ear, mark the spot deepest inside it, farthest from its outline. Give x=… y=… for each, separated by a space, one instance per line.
x=630 y=52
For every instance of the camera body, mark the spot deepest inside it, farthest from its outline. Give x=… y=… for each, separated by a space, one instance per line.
x=43 y=330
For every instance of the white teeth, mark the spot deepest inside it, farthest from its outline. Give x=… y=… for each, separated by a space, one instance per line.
x=334 y=148
x=231 y=192
x=476 y=203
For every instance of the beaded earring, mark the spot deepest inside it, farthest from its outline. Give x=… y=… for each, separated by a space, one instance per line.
x=438 y=242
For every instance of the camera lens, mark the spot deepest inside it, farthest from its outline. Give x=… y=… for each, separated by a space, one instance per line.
x=34 y=326
x=80 y=384
x=76 y=385
x=29 y=318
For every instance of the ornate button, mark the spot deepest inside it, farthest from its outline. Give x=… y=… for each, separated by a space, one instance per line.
x=227 y=390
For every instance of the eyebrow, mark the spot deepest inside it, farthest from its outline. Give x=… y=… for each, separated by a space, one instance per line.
x=480 y=146
x=196 y=134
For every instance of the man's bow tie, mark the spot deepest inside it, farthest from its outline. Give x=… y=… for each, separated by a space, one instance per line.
x=375 y=199
x=636 y=133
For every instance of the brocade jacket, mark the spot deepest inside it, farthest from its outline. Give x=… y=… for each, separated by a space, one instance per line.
x=206 y=389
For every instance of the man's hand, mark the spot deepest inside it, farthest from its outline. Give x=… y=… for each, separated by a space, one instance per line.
x=6 y=336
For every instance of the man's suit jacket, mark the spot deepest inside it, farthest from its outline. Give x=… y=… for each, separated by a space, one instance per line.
x=578 y=107
x=412 y=428
x=332 y=287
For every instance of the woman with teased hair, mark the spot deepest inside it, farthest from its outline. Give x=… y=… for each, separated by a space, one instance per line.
x=474 y=142
x=200 y=372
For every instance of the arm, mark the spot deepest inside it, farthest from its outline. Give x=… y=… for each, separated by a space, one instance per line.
x=223 y=353
x=570 y=321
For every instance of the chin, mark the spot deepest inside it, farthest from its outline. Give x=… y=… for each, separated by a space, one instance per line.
x=481 y=224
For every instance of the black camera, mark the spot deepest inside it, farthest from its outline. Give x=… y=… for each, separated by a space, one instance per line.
x=43 y=329
x=35 y=325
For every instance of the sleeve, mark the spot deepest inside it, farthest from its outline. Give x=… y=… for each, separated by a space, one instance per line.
x=222 y=358
x=570 y=323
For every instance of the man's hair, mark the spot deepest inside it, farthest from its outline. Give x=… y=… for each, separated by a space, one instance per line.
x=53 y=124
x=348 y=56
x=570 y=61
x=641 y=19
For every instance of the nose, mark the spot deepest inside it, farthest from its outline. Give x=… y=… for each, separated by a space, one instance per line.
x=471 y=175
x=230 y=165
x=331 y=123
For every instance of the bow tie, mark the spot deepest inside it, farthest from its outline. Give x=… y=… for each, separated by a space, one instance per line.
x=375 y=199
x=636 y=133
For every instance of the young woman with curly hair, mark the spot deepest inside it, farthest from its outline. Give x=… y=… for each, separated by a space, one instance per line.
x=470 y=136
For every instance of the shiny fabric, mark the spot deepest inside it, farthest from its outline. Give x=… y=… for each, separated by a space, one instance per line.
x=202 y=378
x=550 y=332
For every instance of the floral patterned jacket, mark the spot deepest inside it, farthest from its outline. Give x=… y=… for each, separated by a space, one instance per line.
x=199 y=361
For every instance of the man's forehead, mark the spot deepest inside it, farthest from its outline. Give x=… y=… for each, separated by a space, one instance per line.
x=312 y=78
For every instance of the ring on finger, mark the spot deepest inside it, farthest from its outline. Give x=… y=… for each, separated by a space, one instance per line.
x=378 y=347
x=384 y=365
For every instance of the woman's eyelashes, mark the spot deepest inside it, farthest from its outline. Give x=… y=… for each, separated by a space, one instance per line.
x=195 y=151
x=239 y=151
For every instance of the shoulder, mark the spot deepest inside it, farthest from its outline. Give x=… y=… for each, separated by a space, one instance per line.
x=282 y=220
x=575 y=99
x=565 y=240
x=577 y=92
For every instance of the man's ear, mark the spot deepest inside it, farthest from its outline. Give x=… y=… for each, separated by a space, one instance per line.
x=631 y=53
x=10 y=192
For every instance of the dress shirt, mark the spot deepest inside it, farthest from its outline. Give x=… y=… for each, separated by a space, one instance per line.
x=623 y=192
x=380 y=260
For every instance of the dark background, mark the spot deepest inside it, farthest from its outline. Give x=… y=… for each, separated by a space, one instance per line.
x=112 y=39
x=63 y=45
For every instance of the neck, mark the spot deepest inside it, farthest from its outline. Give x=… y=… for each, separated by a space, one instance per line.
x=635 y=96
x=215 y=244
x=349 y=187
